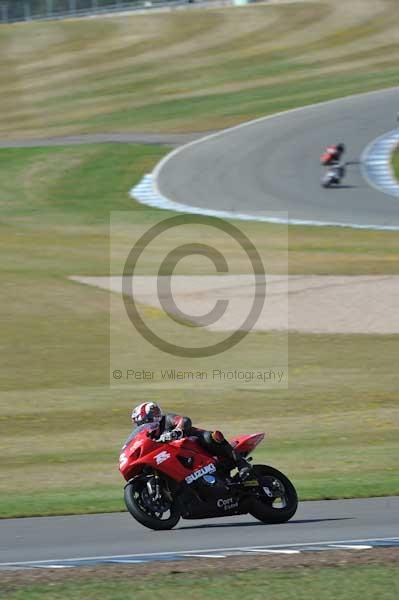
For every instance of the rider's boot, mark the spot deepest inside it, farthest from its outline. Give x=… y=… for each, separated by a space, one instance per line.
x=244 y=467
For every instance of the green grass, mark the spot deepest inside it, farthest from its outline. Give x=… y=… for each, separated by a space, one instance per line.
x=173 y=72
x=214 y=111
x=343 y=583
x=395 y=163
x=61 y=425
x=60 y=446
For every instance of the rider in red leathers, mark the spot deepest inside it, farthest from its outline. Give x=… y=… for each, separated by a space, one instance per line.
x=332 y=154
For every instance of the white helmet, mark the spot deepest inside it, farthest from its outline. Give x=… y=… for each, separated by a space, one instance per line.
x=147 y=412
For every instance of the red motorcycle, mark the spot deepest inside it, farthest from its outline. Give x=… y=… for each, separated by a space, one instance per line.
x=180 y=479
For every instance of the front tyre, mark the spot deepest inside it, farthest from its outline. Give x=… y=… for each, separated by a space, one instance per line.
x=275 y=500
x=158 y=515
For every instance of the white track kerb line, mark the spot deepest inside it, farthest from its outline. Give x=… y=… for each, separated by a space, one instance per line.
x=187 y=553
x=147 y=190
x=376 y=163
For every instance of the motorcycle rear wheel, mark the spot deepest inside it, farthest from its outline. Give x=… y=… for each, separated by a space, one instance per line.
x=266 y=509
x=326 y=182
x=152 y=519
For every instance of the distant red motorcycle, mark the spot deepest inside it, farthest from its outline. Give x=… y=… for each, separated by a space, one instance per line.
x=180 y=479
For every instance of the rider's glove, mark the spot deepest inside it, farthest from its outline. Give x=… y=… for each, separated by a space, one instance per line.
x=168 y=436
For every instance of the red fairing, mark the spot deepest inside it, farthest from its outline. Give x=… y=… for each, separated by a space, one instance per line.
x=177 y=459
x=143 y=451
x=246 y=443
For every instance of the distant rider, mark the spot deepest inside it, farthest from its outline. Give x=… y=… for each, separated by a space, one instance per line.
x=173 y=427
x=332 y=154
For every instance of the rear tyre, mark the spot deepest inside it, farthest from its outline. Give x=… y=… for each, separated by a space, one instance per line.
x=276 y=500
x=141 y=507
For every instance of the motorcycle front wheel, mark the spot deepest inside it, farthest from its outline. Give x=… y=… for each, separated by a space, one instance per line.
x=276 y=500
x=141 y=506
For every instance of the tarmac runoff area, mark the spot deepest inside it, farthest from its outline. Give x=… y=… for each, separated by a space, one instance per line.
x=303 y=303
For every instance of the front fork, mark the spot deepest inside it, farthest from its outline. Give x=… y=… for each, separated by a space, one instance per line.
x=153 y=486
x=156 y=490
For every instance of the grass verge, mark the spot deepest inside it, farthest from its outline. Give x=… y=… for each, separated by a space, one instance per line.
x=395 y=162
x=347 y=582
x=179 y=72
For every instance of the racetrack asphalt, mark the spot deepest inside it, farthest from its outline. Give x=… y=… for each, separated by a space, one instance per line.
x=52 y=538
x=271 y=166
